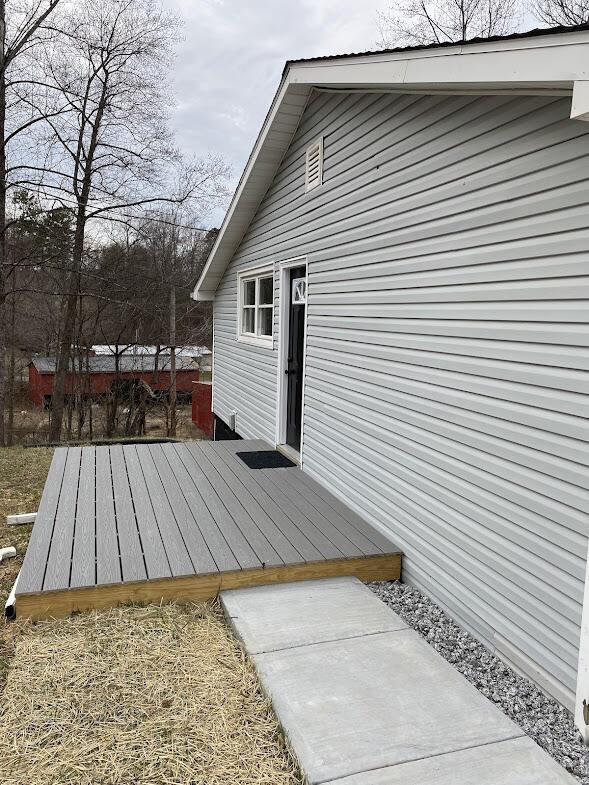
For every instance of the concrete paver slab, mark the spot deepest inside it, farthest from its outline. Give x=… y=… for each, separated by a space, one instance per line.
x=268 y=618
x=514 y=762
x=366 y=703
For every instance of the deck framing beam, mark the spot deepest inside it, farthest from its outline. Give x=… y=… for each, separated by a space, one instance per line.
x=199 y=588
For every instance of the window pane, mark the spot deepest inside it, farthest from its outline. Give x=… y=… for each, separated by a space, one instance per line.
x=266 y=291
x=249 y=315
x=265 y=321
x=249 y=293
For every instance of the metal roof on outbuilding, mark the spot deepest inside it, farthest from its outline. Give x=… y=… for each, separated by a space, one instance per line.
x=140 y=363
x=184 y=351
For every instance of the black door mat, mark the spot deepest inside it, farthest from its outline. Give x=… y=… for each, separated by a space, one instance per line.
x=265 y=459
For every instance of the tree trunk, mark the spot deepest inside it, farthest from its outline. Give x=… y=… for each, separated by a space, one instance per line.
x=113 y=409
x=90 y=422
x=11 y=373
x=172 y=424
x=68 y=328
x=156 y=362
x=80 y=407
x=82 y=198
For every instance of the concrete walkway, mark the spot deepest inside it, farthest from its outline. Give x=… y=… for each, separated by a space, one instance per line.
x=364 y=700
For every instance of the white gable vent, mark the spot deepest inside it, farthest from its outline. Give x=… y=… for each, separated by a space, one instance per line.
x=314 y=165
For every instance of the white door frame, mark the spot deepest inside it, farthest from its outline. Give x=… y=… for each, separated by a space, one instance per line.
x=284 y=268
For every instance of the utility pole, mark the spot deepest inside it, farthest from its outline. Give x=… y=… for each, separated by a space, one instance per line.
x=172 y=427
x=10 y=382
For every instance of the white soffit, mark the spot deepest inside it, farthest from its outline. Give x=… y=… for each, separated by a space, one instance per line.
x=551 y=64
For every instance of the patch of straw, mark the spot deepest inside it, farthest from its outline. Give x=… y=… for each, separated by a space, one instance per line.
x=138 y=696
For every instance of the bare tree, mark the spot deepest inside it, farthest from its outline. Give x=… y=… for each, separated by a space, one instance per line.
x=419 y=22
x=176 y=254
x=37 y=240
x=562 y=12
x=116 y=148
x=22 y=28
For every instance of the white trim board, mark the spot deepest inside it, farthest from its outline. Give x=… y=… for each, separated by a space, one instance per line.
x=283 y=312
x=542 y=64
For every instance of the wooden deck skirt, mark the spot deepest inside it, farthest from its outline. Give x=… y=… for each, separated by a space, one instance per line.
x=179 y=522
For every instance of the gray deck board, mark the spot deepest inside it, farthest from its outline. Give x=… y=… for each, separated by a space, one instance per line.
x=273 y=533
x=251 y=534
x=154 y=551
x=324 y=545
x=84 y=550
x=302 y=544
x=240 y=547
x=206 y=523
x=132 y=562
x=361 y=525
x=60 y=553
x=382 y=543
x=318 y=502
x=33 y=569
x=108 y=560
x=343 y=543
x=117 y=514
x=195 y=544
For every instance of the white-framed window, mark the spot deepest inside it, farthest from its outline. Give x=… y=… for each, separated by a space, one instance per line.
x=255 y=306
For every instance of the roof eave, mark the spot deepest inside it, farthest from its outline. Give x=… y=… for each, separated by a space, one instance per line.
x=267 y=151
x=202 y=296
x=546 y=63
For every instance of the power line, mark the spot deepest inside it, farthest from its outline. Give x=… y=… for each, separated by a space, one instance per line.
x=131 y=216
x=167 y=223
x=89 y=274
x=151 y=278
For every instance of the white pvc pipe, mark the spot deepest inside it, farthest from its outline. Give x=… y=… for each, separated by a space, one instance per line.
x=7 y=553
x=10 y=606
x=25 y=517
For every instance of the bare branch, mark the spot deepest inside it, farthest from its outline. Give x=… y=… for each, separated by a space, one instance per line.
x=562 y=12
x=419 y=22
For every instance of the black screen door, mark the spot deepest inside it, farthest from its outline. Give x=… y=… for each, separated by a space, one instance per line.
x=294 y=366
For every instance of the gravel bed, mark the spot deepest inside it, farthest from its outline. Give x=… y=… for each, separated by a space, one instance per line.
x=542 y=718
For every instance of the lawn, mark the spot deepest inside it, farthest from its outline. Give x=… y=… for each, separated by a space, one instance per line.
x=22 y=477
x=128 y=696
x=138 y=696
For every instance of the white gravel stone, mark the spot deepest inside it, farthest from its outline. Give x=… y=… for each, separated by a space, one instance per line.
x=540 y=717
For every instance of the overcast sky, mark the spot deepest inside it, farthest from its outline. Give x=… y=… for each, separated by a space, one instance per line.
x=230 y=61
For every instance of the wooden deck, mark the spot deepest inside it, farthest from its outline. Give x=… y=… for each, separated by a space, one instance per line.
x=162 y=522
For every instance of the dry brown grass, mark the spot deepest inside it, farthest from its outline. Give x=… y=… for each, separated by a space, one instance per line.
x=132 y=696
x=22 y=477
x=31 y=424
x=138 y=696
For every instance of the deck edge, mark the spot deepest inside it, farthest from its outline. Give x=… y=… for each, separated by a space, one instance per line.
x=199 y=588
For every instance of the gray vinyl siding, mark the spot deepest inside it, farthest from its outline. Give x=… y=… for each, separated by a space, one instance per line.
x=447 y=348
x=244 y=376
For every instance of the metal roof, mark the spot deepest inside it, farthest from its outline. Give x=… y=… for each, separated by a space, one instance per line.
x=552 y=61
x=185 y=351
x=536 y=32
x=127 y=364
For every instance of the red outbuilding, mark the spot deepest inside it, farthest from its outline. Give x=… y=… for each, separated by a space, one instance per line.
x=103 y=373
x=202 y=409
